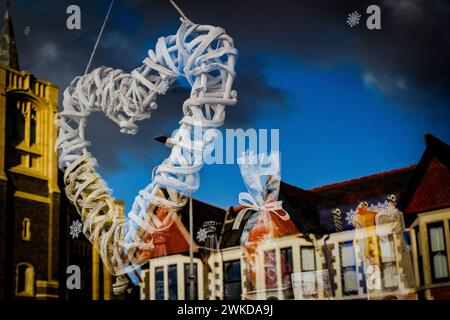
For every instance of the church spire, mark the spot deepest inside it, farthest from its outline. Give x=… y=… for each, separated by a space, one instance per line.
x=8 y=50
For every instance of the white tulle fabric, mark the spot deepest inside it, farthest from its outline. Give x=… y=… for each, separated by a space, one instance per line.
x=205 y=55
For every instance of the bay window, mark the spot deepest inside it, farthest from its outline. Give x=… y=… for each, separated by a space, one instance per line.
x=159 y=283
x=168 y=278
x=388 y=262
x=438 y=253
x=287 y=267
x=349 y=275
x=173 y=282
x=232 y=280
x=308 y=266
x=270 y=269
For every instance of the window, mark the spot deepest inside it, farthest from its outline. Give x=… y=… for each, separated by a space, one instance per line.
x=23 y=132
x=308 y=259
x=270 y=269
x=17 y=125
x=349 y=276
x=159 y=283
x=388 y=262
x=26 y=229
x=33 y=127
x=170 y=278
x=24 y=280
x=308 y=266
x=173 y=282
x=438 y=254
x=24 y=123
x=232 y=280
x=187 y=285
x=287 y=267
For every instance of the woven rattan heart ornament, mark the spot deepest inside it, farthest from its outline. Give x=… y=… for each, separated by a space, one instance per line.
x=205 y=55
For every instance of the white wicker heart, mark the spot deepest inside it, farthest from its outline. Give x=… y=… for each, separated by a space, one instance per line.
x=205 y=55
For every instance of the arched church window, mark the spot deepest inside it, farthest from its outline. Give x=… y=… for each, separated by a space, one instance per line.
x=26 y=229
x=25 y=129
x=24 y=280
x=17 y=121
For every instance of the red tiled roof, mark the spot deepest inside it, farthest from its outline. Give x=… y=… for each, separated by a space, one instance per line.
x=360 y=189
x=433 y=191
x=363 y=179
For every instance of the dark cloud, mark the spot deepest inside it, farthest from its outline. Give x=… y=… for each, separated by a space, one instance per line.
x=53 y=52
x=411 y=51
x=408 y=60
x=409 y=55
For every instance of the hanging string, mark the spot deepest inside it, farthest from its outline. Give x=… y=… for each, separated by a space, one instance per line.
x=98 y=38
x=179 y=11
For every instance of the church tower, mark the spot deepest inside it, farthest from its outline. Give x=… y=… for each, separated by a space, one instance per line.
x=8 y=51
x=35 y=216
x=29 y=193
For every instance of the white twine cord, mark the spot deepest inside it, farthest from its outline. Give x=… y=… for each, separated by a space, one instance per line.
x=98 y=38
x=181 y=13
x=205 y=55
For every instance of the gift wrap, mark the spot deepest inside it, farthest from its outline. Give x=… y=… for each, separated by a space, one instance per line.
x=263 y=266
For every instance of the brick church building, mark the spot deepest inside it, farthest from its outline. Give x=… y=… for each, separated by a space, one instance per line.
x=35 y=215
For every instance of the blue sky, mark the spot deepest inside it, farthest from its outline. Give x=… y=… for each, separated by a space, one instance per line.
x=335 y=127
x=349 y=102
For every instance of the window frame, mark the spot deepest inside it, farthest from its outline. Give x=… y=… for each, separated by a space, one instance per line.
x=29 y=288
x=301 y=249
x=354 y=268
x=288 y=292
x=27 y=109
x=383 y=264
x=26 y=138
x=161 y=271
x=26 y=229
x=224 y=282
x=178 y=260
x=172 y=285
x=429 y=226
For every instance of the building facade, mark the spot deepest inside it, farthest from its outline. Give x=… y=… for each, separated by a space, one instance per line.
x=327 y=257
x=35 y=215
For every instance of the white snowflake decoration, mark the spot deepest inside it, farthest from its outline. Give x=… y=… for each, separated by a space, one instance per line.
x=353 y=18
x=379 y=207
x=163 y=87
x=202 y=234
x=248 y=158
x=350 y=216
x=75 y=229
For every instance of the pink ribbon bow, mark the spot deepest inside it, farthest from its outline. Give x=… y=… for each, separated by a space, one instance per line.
x=250 y=203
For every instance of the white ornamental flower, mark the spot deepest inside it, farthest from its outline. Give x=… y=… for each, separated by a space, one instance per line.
x=75 y=229
x=353 y=18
